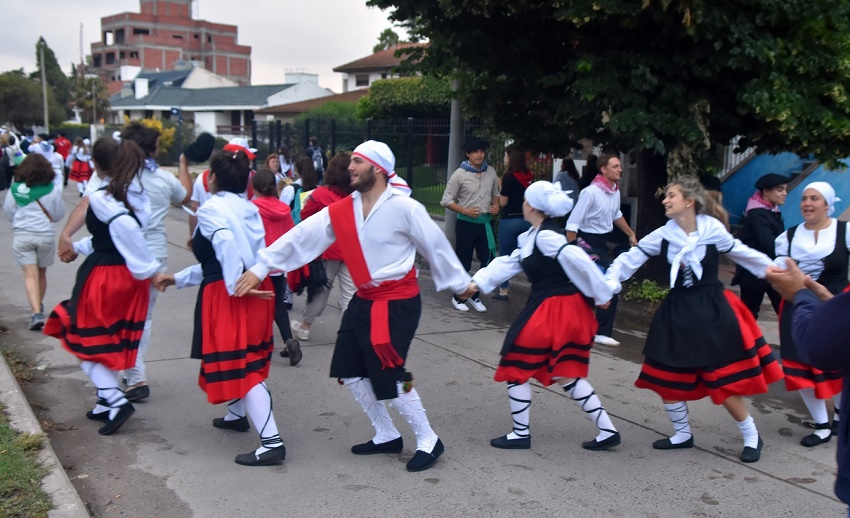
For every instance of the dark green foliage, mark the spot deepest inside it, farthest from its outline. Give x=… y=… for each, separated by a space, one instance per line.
x=418 y=97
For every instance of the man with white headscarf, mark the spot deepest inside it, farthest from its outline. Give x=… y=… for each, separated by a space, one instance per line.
x=380 y=230
x=564 y=280
x=821 y=247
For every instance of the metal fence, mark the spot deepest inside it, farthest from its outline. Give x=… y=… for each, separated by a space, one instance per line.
x=421 y=146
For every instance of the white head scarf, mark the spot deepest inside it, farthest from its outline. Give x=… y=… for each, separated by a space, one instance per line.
x=381 y=156
x=828 y=194
x=548 y=198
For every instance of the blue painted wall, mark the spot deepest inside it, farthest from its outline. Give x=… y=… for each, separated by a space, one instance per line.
x=738 y=188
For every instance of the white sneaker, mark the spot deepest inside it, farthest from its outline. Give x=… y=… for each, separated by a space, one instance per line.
x=301 y=334
x=476 y=303
x=605 y=340
x=460 y=306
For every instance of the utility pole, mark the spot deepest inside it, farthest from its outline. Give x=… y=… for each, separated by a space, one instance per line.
x=44 y=90
x=94 y=102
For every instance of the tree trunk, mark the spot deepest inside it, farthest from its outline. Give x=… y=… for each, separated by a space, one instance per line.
x=651 y=178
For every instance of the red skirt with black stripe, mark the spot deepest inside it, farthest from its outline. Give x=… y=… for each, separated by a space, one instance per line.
x=80 y=171
x=105 y=322
x=743 y=377
x=236 y=341
x=798 y=373
x=553 y=343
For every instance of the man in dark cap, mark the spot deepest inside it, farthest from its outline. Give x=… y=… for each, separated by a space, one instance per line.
x=762 y=223
x=473 y=192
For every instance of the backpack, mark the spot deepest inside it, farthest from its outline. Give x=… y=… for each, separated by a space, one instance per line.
x=311 y=277
x=295 y=204
x=317 y=159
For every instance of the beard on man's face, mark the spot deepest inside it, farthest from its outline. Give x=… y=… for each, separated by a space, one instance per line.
x=365 y=181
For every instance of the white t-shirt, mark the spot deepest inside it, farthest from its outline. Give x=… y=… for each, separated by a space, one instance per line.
x=163 y=189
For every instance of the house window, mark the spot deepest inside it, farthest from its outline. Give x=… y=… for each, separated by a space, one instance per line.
x=196 y=36
x=119 y=36
x=137 y=31
x=148 y=114
x=110 y=58
x=108 y=38
x=384 y=75
x=361 y=80
x=97 y=61
x=177 y=36
x=121 y=55
x=209 y=39
x=134 y=55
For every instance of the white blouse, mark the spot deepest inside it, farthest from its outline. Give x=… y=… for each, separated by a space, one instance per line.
x=578 y=266
x=806 y=250
x=595 y=211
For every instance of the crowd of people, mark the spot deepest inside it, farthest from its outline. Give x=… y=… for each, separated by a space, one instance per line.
x=357 y=225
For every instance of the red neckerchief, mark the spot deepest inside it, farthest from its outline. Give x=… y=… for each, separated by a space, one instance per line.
x=604 y=184
x=524 y=178
x=345 y=229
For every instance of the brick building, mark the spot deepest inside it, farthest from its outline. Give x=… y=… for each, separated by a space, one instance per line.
x=164 y=36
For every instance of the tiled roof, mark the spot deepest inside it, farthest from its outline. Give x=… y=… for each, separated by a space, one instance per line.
x=305 y=106
x=248 y=96
x=381 y=60
x=167 y=78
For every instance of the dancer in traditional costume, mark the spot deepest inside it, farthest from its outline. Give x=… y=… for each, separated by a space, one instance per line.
x=102 y=322
x=821 y=247
x=703 y=341
x=233 y=336
x=81 y=168
x=564 y=285
x=380 y=230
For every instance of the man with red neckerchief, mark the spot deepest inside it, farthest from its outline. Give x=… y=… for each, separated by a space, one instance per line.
x=380 y=230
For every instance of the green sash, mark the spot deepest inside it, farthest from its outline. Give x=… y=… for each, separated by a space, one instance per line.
x=483 y=219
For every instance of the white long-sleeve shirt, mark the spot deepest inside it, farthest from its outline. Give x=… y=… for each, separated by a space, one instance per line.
x=127 y=234
x=686 y=249
x=583 y=272
x=235 y=228
x=595 y=211
x=394 y=230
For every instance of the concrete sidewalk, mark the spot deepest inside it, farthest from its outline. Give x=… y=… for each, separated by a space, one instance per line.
x=169 y=461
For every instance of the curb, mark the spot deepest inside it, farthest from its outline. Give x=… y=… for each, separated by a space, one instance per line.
x=67 y=503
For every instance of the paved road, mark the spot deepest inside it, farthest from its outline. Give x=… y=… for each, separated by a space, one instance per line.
x=169 y=461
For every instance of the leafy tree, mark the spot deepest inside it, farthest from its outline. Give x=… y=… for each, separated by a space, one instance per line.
x=21 y=101
x=406 y=97
x=56 y=79
x=90 y=96
x=387 y=40
x=667 y=78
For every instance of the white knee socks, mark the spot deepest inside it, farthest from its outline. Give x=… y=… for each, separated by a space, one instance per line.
x=363 y=392
x=110 y=397
x=817 y=408
x=519 y=396
x=750 y=432
x=235 y=410
x=409 y=405
x=582 y=393
x=678 y=414
x=258 y=403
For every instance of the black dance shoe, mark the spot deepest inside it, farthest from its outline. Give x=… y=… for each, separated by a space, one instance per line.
x=814 y=439
x=137 y=393
x=665 y=444
x=523 y=443
x=752 y=454
x=370 y=448
x=102 y=416
x=237 y=425
x=834 y=427
x=112 y=425
x=422 y=460
x=604 y=444
x=267 y=458
x=293 y=348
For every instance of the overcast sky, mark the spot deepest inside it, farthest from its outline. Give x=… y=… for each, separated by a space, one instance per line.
x=306 y=35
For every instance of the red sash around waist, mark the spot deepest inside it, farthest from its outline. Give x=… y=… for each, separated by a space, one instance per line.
x=342 y=220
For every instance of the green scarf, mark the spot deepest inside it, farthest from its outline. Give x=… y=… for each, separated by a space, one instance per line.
x=25 y=195
x=483 y=219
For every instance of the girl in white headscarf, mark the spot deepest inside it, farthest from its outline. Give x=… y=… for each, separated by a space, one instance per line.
x=821 y=247
x=703 y=341
x=565 y=284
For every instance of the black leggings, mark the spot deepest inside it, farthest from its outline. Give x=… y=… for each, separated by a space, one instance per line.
x=281 y=315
